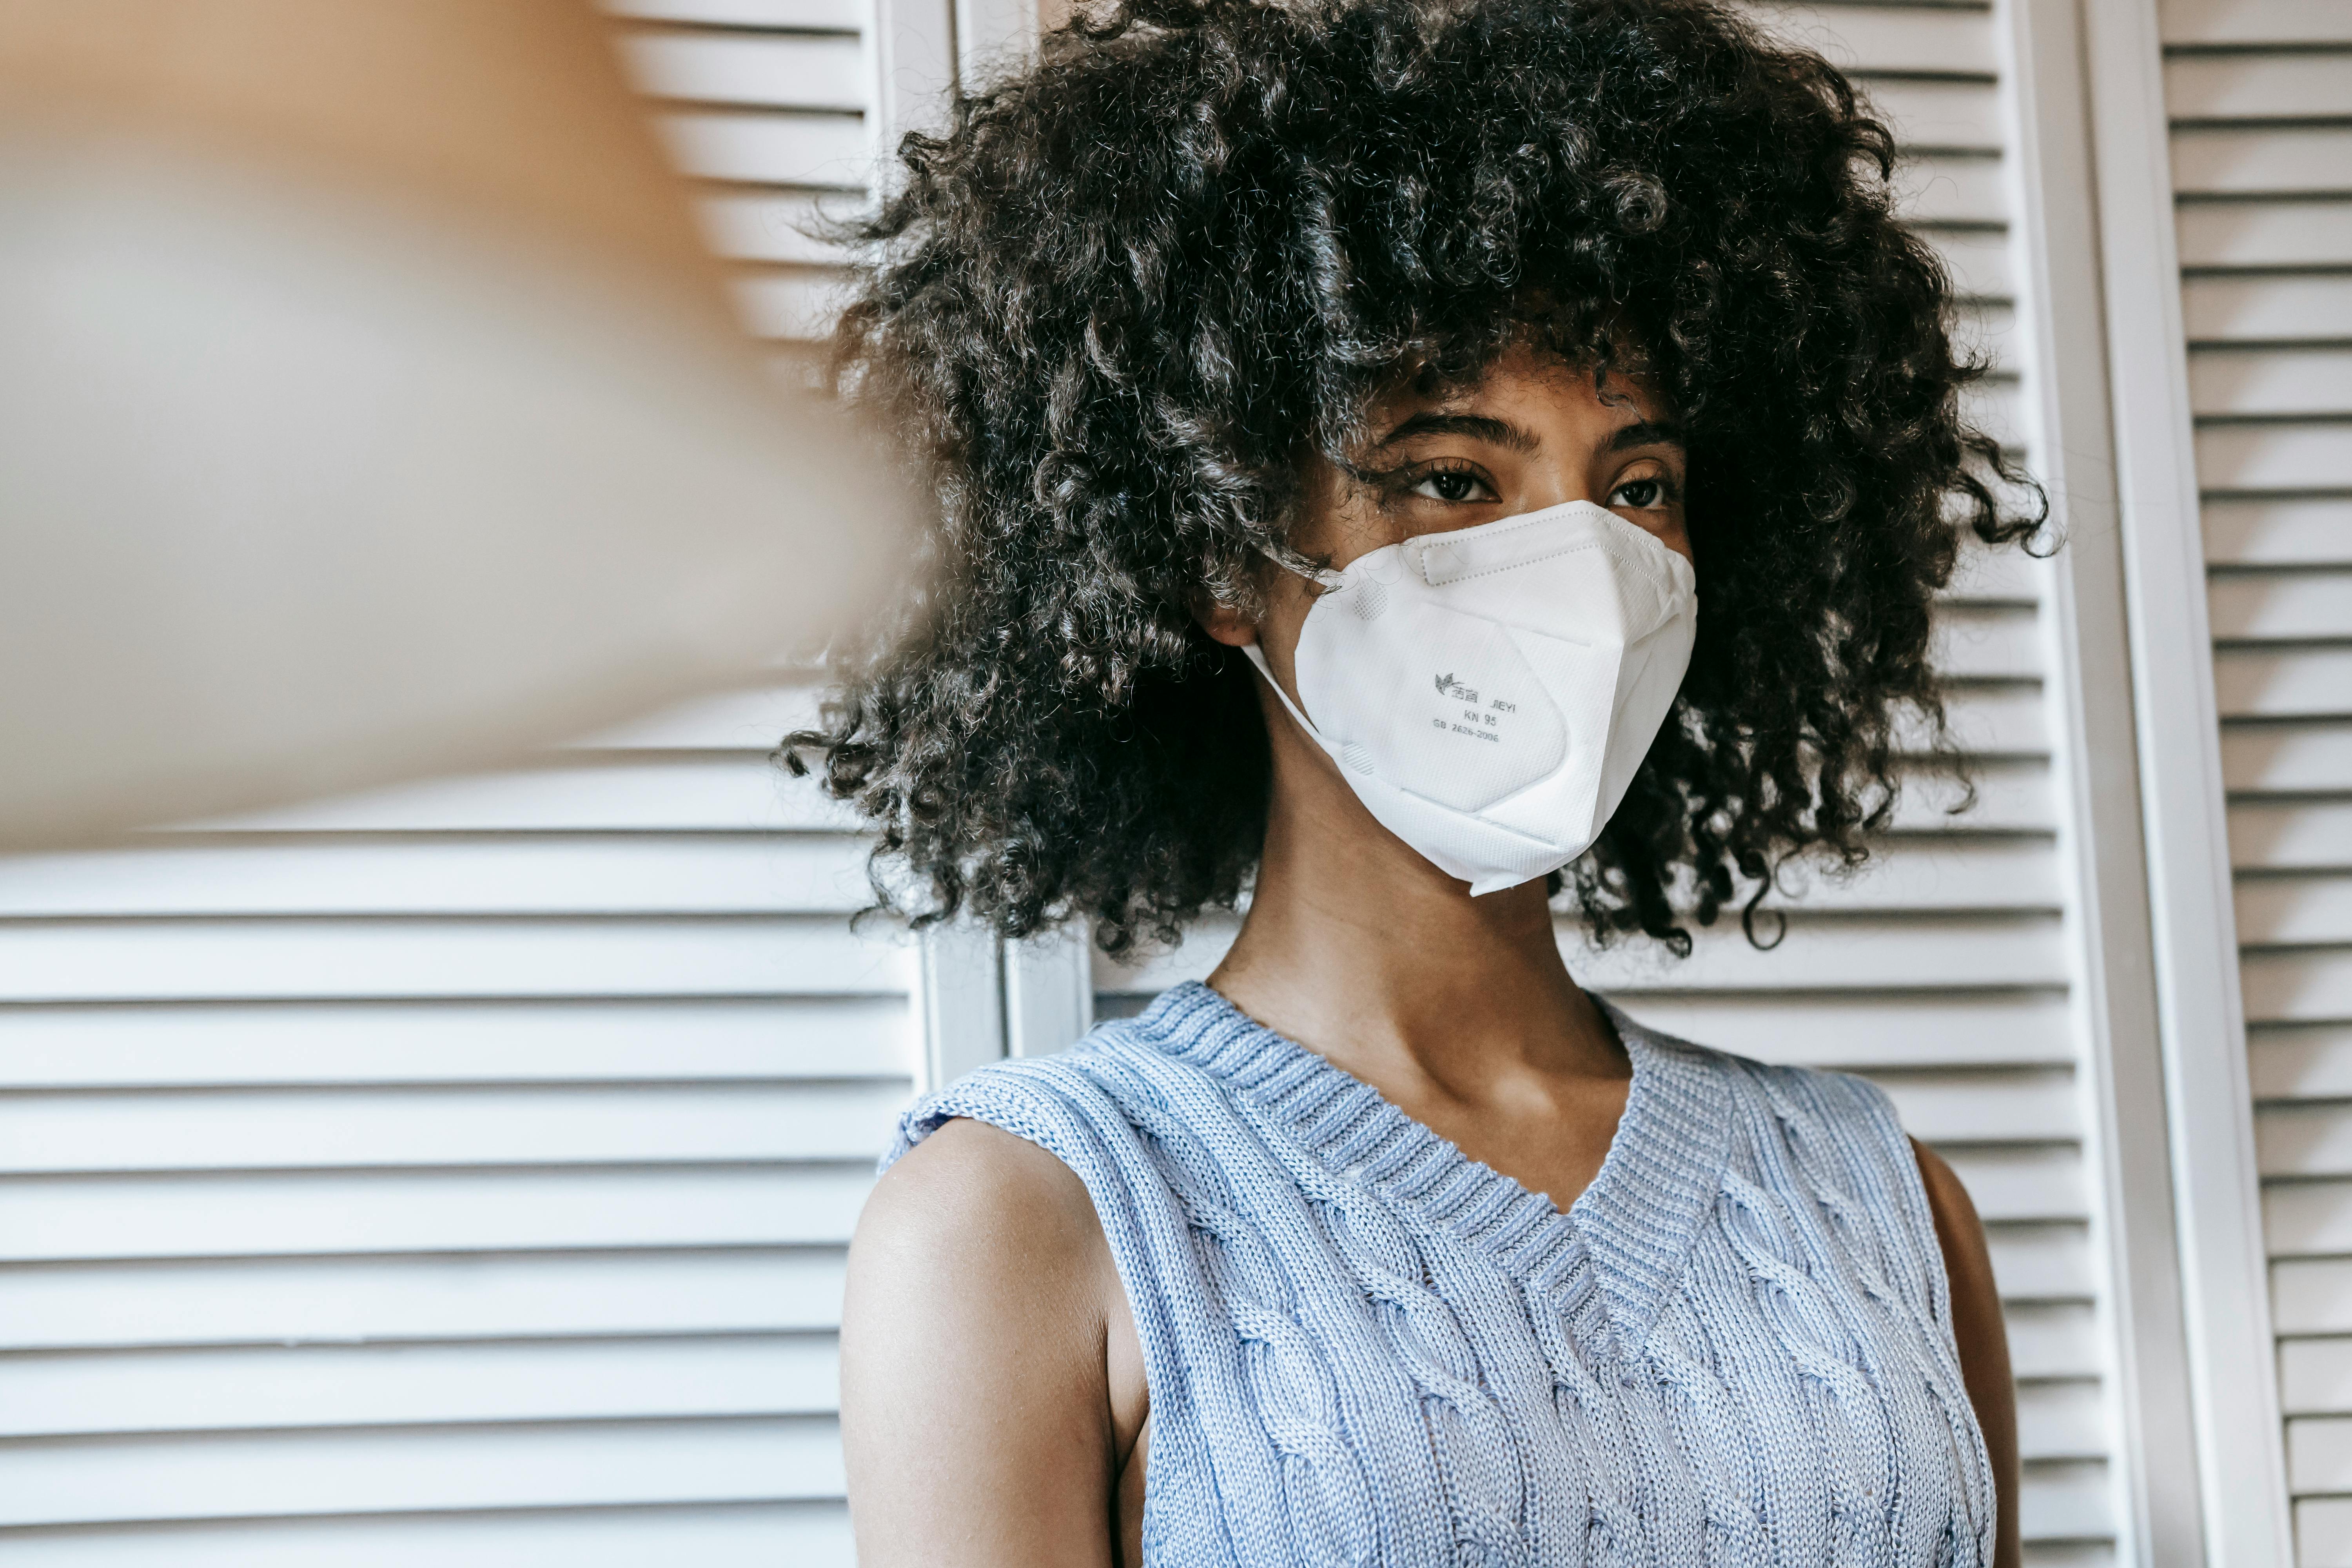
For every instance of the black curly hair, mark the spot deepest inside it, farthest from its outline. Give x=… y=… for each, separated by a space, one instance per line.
x=1127 y=292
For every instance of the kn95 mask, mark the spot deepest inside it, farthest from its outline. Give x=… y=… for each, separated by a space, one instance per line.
x=1488 y=694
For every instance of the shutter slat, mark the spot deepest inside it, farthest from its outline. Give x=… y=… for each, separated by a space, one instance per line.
x=2323 y=1520
x=2068 y=1502
x=2304 y=1062
x=2066 y=1420
x=234 y=960
x=2240 y=232
x=2291 y=837
x=2033 y=1182
x=1985 y=332
x=810 y=151
x=1928 y=874
x=797 y=305
x=1927 y=41
x=2274 y=457
x=2292 y=532
x=2285 y=757
x=2283 y=606
x=725 y=793
x=1978 y=260
x=2307 y=1217
x=2319 y=1454
x=1951 y=189
x=2285 y=161
x=294 y=1213
x=2275 y=911
x=1985 y=642
x=2312 y=1296
x=2254 y=22
x=2317 y=1375
x=2266 y=310
x=786 y=71
x=482 y=1296
x=757 y=1535
x=755 y=226
x=1944 y=115
x=2041 y=1262
x=559 y=874
x=2305 y=1140
x=817 y=15
x=2306 y=684
x=1994 y=407
x=2011 y=797
x=2297 y=986
x=1945 y=1107
x=2006 y=575
x=234 y=1474
x=2271 y=382
x=338 y=1385
x=747 y=721
x=2005 y=720
x=2053 y=1338
x=564 y=1041
x=2256 y=87
x=374 y=1126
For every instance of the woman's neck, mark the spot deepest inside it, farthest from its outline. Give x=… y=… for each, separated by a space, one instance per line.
x=1362 y=949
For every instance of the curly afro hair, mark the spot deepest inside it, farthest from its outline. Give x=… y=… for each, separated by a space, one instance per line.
x=1127 y=293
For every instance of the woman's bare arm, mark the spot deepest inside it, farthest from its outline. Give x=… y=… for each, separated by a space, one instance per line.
x=1982 y=1336
x=975 y=1408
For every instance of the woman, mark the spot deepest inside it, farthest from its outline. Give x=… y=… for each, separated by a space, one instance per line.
x=1401 y=463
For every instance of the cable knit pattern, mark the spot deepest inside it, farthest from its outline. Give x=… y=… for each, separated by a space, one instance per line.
x=1734 y=1349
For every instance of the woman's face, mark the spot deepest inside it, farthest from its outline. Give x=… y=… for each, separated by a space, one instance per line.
x=1534 y=433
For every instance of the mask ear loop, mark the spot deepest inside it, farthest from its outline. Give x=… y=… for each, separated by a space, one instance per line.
x=1326 y=579
x=1256 y=656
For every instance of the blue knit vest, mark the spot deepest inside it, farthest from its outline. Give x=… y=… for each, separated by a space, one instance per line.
x=1364 y=1348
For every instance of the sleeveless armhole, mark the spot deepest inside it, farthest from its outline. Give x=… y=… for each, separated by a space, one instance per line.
x=1053 y=1103
x=1883 y=1148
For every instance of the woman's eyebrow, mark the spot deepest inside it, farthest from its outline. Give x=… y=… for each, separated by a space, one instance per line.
x=1646 y=433
x=1478 y=427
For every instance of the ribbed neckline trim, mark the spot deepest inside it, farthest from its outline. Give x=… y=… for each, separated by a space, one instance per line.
x=1635 y=1221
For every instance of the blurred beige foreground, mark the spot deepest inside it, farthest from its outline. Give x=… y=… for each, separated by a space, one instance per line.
x=368 y=409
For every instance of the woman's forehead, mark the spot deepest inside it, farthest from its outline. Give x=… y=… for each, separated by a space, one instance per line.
x=1521 y=376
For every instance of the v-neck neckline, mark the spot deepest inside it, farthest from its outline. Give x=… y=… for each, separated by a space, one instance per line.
x=1634 y=1220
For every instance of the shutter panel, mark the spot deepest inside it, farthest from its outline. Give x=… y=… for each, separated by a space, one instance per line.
x=2260 y=96
x=1947 y=973
x=460 y=1173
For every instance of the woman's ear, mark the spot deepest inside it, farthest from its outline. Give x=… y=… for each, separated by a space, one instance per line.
x=1224 y=622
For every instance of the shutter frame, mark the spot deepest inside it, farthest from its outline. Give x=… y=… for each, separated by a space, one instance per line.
x=2160 y=1502
x=2225 y=1289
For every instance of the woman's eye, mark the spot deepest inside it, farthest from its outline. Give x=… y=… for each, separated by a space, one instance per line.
x=1450 y=486
x=1639 y=494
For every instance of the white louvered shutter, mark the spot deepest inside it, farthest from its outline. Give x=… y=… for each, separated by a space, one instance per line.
x=1947 y=973
x=461 y=1174
x=2260 y=96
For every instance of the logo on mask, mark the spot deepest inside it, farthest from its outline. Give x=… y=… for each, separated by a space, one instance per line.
x=1449 y=687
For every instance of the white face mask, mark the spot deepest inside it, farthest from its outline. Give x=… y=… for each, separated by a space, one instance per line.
x=1489 y=692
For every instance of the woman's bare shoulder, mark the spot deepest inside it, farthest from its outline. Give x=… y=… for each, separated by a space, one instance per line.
x=973 y=1193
